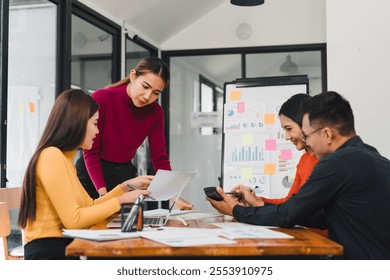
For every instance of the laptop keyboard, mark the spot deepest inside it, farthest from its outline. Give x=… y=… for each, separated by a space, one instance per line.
x=154 y=221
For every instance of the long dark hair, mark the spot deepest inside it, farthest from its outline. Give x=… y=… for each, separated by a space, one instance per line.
x=65 y=129
x=293 y=107
x=148 y=65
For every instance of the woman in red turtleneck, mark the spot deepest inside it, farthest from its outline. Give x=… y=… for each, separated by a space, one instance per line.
x=129 y=113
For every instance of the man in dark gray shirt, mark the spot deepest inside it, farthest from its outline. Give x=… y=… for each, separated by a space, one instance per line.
x=348 y=191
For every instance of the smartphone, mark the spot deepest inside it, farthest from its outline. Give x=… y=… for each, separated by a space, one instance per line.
x=212 y=193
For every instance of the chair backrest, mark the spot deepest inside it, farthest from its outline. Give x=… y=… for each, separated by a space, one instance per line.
x=5 y=230
x=11 y=196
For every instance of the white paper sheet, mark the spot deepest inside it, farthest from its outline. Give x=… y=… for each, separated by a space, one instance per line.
x=253 y=232
x=185 y=238
x=168 y=184
x=100 y=235
x=237 y=225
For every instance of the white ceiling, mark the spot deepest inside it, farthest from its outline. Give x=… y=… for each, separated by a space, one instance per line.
x=157 y=19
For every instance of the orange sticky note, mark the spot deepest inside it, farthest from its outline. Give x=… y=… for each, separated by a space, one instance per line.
x=235 y=95
x=270 y=168
x=32 y=107
x=269 y=118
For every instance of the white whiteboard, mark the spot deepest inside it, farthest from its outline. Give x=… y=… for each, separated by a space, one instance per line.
x=255 y=152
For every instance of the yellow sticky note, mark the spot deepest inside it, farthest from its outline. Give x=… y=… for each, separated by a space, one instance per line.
x=246 y=173
x=269 y=118
x=32 y=107
x=21 y=109
x=270 y=168
x=247 y=139
x=235 y=95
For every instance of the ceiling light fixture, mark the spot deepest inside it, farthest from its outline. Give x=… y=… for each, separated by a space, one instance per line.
x=247 y=2
x=289 y=66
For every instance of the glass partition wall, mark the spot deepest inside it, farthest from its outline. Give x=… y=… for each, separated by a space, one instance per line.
x=31 y=87
x=31 y=80
x=194 y=104
x=91 y=56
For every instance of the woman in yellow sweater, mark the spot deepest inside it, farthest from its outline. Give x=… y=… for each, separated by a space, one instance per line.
x=53 y=197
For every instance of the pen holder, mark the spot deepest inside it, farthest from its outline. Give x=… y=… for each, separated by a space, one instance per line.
x=132 y=217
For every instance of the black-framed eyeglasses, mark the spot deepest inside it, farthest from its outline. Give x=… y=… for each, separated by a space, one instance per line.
x=304 y=137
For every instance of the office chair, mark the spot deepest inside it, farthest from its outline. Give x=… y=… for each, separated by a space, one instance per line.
x=11 y=198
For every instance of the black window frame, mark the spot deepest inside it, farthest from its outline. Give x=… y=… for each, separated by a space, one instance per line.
x=213 y=86
x=65 y=9
x=166 y=56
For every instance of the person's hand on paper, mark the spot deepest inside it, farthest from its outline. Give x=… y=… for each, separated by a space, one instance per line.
x=183 y=204
x=137 y=183
x=129 y=197
x=226 y=205
x=248 y=196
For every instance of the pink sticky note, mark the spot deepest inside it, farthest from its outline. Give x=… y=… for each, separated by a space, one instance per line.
x=270 y=144
x=240 y=107
x=286 y=154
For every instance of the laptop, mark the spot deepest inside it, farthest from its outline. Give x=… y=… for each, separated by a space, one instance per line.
x=165 y=185
x=159 y=221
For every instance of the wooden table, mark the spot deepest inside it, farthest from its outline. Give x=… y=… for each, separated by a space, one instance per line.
x=305 y=244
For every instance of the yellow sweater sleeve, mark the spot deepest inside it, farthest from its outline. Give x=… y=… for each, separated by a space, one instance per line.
x=62 y=201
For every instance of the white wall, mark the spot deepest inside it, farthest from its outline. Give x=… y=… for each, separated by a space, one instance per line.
x=276 y=22
x=358 y=44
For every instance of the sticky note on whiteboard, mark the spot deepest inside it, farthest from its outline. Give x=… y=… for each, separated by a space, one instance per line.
x=235 y=95
x=269 y=118
x=240 y=107
x=247 y=139
x=270 y=168
x=246 y=173
x=286 y=154
x=270 y=144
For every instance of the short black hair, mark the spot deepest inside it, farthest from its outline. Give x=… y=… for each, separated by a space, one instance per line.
x=330 y=109
x=292 y=108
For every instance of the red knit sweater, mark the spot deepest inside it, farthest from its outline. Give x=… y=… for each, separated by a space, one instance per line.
x=122 y=129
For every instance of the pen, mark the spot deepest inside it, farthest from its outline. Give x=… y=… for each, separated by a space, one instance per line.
x=182 y=221
x=252 y=190
x=233 y=193
x=132 y=187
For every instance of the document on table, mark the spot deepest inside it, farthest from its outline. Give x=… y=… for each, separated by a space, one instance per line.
x=168 y=184
x=186 y=237
x=99 y=235
x=235 y=230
